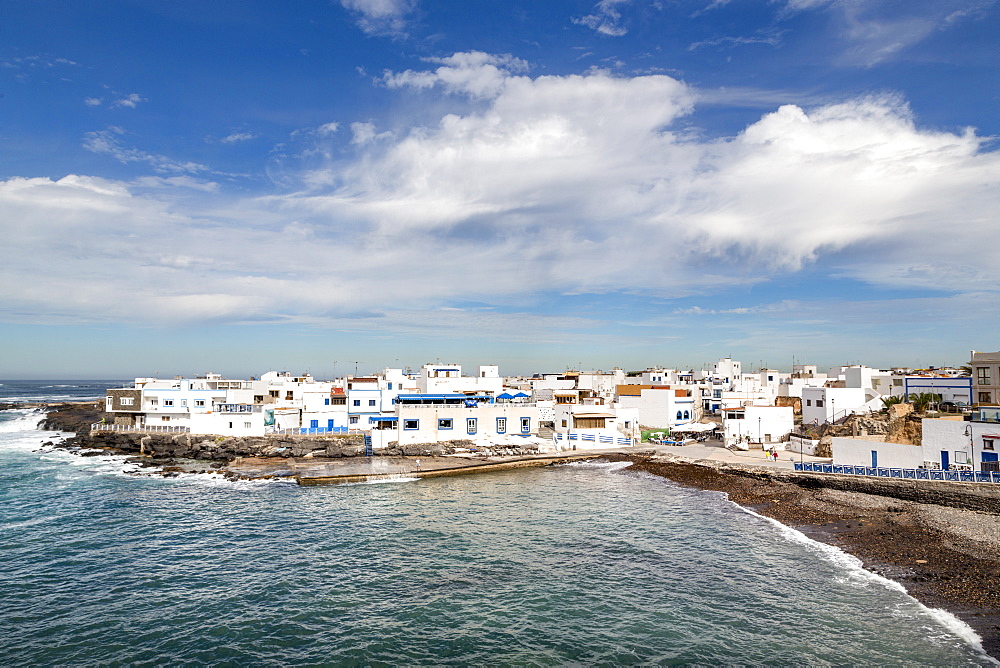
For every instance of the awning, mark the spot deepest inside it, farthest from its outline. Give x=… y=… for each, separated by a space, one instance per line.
x=505 y=396
x=382 y=419
x=594 y=415
x=694 y=427
x=521 y=395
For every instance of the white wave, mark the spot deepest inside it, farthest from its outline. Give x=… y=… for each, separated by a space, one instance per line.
x=25 y=419
x=859 y=576
x=388 y=480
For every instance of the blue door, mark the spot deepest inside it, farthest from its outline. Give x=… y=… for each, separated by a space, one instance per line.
x=314 y=423
x=945 y=465
x=991 y=456
x=329 y=424
x=874 y=458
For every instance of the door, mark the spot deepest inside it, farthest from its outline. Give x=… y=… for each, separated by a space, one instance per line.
x=945 y=463
x=314 y=423
x=329 y=424
x=874 y=458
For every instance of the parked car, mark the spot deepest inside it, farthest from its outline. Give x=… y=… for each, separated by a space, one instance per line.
x=954 y=407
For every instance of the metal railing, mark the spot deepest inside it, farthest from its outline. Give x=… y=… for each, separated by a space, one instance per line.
x=903 y=474
x=517 y=404
x=135 y=429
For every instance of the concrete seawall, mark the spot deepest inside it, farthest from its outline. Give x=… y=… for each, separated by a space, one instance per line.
x=470 y=469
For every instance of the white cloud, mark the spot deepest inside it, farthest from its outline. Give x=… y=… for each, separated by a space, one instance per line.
x=381 y=17
x=92 y=101
x=472 y=73
x=131 y=101
x=567 y=184
x=238 y=137
x=606 y=19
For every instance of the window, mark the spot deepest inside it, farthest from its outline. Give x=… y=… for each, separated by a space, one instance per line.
x=809 y=402
x=357 y=402
x=326 y=402
x=470 y=425
x=985 y=397
x=898 y=382
x=247 y=425
x=501 y=425
x=166 y=418
x=679 y=414
x=988 y=444
x=371 y=402
x=819 y=403
x=525 y=425
x=127 y=401
x=168 y=402
x=982 y=375
x=199 y=402
x=154 y=401
x=353 y=419
x=687 y=415
x=445 y=423
x=564 y=423
x=273 y=393
x=588 y=423
x=184 y=402
x=411 y=424
x=288 y=395
x=390 y=386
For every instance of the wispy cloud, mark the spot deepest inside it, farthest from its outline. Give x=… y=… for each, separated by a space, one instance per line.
x=770 y=37
x=109 y=142
x=606 y=19
x=381 y=17
x=238 y=137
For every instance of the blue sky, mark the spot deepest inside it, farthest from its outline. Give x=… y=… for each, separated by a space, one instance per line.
x=241 y=186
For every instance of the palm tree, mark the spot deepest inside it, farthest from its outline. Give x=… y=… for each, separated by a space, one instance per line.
x=888 y=402
x=922 y=400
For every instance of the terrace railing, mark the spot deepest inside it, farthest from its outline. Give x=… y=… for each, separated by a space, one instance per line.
x=141 y=429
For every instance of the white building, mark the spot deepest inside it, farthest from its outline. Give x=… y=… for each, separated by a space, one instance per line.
x=830 y=404
x=661 y=407
x=760 y=426
x=579 y=427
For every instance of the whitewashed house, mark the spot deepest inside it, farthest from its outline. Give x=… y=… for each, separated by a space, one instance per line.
x=757 y=426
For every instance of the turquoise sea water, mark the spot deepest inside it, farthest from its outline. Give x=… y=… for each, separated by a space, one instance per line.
x=579 y=564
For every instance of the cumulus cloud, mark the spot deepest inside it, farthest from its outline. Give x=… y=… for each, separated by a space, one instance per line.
x=570 y=184
x=606 y=19
x=92 y=101
x=472 y=73
x=381 y=17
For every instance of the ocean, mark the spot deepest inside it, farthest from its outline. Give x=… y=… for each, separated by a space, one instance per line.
x=587 y=564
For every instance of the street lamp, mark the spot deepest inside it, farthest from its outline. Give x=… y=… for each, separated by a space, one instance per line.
x=760 y=436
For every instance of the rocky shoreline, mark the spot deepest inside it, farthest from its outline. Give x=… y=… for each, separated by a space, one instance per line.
x=946 y=557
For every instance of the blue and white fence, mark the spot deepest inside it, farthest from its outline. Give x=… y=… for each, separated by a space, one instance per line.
x=594 y=438
x=903 y=474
